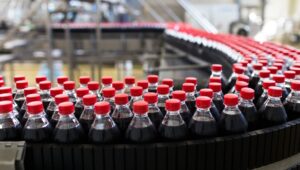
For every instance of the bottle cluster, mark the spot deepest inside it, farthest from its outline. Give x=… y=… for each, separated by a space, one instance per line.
x=258 y=94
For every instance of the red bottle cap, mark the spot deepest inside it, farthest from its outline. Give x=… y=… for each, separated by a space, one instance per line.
x=151 y=98
x=179 y=94
x=66 y=108
x=118 y=85
x=140 y=107
x=268 y=83
x=143 y=83
x=18 y=78
x=84 y=79
x=264 y=74
x=295 y=85
x=5 y=90
x=106 y=80
x=93 y=85
x=29 y=90
x=61 y=98
x=163 y=89
x=1 y=77
x=6 y=96
x=278 y=78
x=278 y=65
x=247 y=93
x=2 y=83
x=275 y=91
x=136 y=91
x=121 y=99
x=22 y=84
x=56 y=91
x=206 y=92
x=33 y=97
x=238 y=69
x=89 y=99
x=108 y=92
x=81 y=91
x=69 y=85
x=216 y=87
x=102 y=108
x=39 y=79
x=203 y=102
x=129 y=80
x=188 y=87
x=152 y=78
x=263 y=62
x=45 y=85
x=191 y=80
x=6 y=107
x=257 y=66
x=290 y=74
x=231 y=99
x=242 y=77
x=244 y=63
x=168 y=82
x=273 y=69
x=216 y=67
x=35 y=107
x=62 y=79
x=296 y=69
x=215 y=80
x=172 y=105
x=239 y=85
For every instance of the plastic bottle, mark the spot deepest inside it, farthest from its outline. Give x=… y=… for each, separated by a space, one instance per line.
x=264 y=75
x=37 y=127
x=109 y=96
x=238 y=87
x=27 y=91
x=254 y=78
x=16 y=79
x=136 y=95
x=170 y=83
x=216 y=71
x=194 y=81
x=119 y=87
x=106 y=82
x=264 y=95
x=213 y=109
x=39 y=79
x=80 y=92
x=189 y=89
x=87 y=116
x=103 y=129
x=292 y=102
x=217 y=96
x=60 y=80
x=163 y=95
x=273 y=70
x=144 y=84
x=29 y=98
x=289 y=76
x=84 y=80
x=93 y=86
x=141 y=129
x=67 y=130
x=153 y=83
x=185 y=113
x=19 y=96
x=45 y=87
x=129 y=83
x=173 y=126
x=69 y=87
x=203 y=124
x=232 y=120
x=280 y=82
x=52 y=105
x=154 y=112
x=60 y=98
x=237 y=69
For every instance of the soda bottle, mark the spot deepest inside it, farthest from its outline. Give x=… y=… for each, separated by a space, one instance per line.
x=216 y=71
x=189 y=89
x=119 y=87
x=173 y=126
x=39 y=79
x=232 y=120
x=141 y=129
x=273 y=70
x=264 y=75
x=194 y=81
x=297 y=72
x=10 y=127
x=245 y=65
x=103 y=129
x=203 y=124
x=45 y=87
x=83 y=80
x=153 y=83
x=80 y=92
x=129 y=82
x=237 y=69
x=289 y=76
x=213 y=109
x=37 y=127
x=52 y=105
x=144 y=84
x=243 y=81
x=264 y=63
x=8 y=97
x=87 y=116
x=61 y=80
x=93 y=86
x=60 y=98
x=163 y=95
x=248 y=108
x=292 y=104
x=106 y=82
x=16 y=79
x=272 y=111
x=29 y=98
x=244 y=78
x=238 y=87
x=19 y=96
x=217 y=96
x=67 y=130
x=136 y=95
x=185 y=113
x=154 y=112
x=280 y=82
x=27 y=91
x=109 y=96
x=122 y=115
x=69 y=87
x=264 y=95
x=170 y=83
x=254 y=78
x=279 y=68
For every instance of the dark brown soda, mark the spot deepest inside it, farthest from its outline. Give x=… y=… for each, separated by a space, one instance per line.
x=156 y=118
x=191 y=105
x=202 y=129
x=73 y=135
x=141 y=135
x=37 y=135
x=86 y=124
x=110 y=135
x=232 y=124
x=78 y=111
x=251 y=115
x=122 y=123
x=20 y=102
x=292 y=110
x=219 y=105
x=272 y=116
x=173 y=132
x=253 y=82
x=10 y=134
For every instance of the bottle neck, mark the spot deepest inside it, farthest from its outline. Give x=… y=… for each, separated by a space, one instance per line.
x=91 y=107
x=83 y=85
x=140 y=115
x=199 y=109
x=6 y=115
x=101 y=116
x=274 y=98
x=163 y=95
x=152 y=104
x=128 y=86
x=255 y=73
x=108 y=98
x=173 y=112
x=216 y=74
x=282 y=85
x=36 y=116
x=136 y=98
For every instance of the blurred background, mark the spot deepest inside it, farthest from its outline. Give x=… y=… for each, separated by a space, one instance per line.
x=31 y=44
